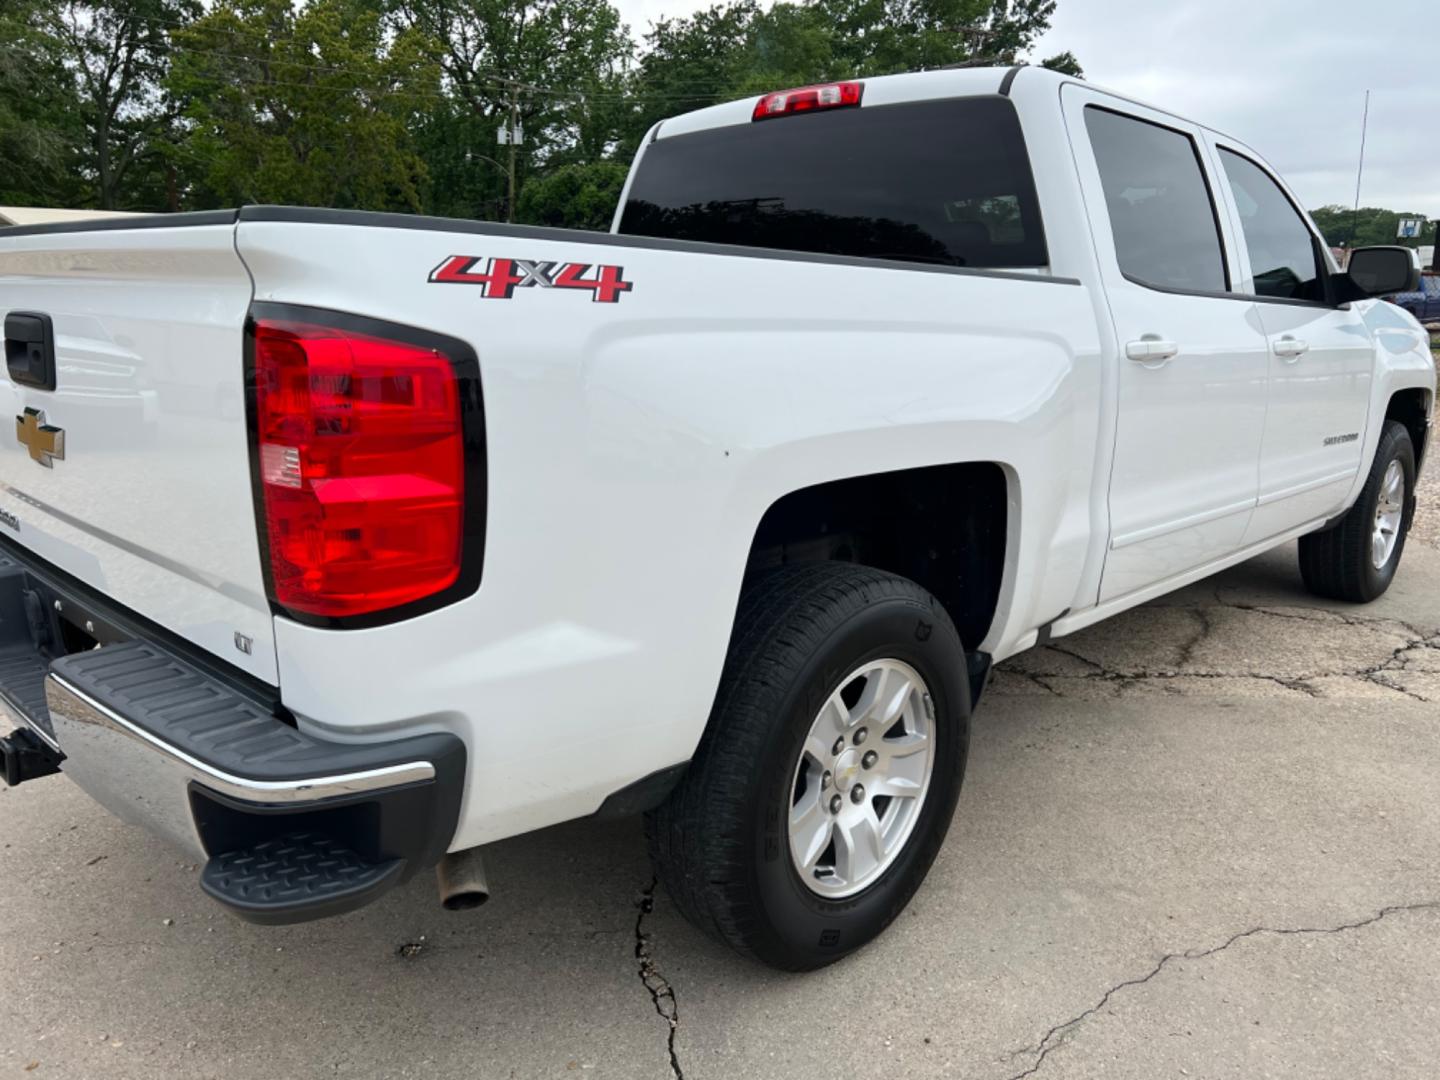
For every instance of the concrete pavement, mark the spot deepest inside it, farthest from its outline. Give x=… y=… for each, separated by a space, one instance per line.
x=1198 y=840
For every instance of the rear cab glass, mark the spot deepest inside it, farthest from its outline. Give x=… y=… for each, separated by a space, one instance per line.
x=1162 y=214
x=944 y=182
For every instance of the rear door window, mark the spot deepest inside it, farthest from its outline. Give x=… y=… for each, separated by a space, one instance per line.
x=945 y=182
x=1162 y=215
x=1284 y=257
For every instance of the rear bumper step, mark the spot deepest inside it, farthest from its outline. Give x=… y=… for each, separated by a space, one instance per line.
x=289 y=827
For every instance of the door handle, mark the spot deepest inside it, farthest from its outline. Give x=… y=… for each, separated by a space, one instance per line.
x=1149 y=349
x=1290 y=348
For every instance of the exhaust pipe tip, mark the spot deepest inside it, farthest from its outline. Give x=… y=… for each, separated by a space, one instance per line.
x=464 y=901
x=460 y=876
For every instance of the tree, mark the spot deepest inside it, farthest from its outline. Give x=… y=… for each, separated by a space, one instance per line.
x=574 y=196
x=39 y=119
x=306 y=105
x=1344 y=226
x=556 y=63
x=116 y=54
x=738 y=48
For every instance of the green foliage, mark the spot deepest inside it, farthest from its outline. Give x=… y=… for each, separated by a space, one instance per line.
x=98 y=89
x=558 y=63
x=39 y=123
x=728 y=51
x=574 y=196
x=396 y=104
x=309 y=106
x=1343 y=226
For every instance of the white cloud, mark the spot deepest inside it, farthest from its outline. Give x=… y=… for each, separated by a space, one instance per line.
x=1288 y=79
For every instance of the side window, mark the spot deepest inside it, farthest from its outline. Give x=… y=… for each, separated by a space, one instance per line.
x=1161 y=213
x=1283 y=258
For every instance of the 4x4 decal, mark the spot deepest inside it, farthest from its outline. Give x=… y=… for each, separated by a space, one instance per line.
x=501 y=277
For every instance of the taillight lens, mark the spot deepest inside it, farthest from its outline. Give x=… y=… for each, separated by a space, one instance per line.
x=838 y=95
x=361 y=462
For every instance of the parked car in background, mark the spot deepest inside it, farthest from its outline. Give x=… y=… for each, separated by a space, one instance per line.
x=1424 y=302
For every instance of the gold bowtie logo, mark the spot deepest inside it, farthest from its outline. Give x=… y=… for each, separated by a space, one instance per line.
x=44 y=442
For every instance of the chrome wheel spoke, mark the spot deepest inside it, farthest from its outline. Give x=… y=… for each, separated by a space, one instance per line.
x=811 y=825
x=907 y=745
x=835 y=717
x=896 y=787
x=817 y=749
x=859 y=845
x=1389 y=516
x=897 y=694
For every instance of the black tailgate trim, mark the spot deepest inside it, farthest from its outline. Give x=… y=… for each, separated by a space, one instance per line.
x=192 y=219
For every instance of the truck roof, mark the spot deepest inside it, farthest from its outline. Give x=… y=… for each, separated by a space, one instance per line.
x=879 y=90
x=918 y=86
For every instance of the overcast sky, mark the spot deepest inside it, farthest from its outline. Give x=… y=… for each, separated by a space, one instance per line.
x=1289 y=78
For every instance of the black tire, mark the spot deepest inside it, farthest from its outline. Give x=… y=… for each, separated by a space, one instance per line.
x=720 y=845
x=1337 y=563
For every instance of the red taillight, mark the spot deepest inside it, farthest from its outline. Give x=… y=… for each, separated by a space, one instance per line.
x=361 y=462
x=838 y=95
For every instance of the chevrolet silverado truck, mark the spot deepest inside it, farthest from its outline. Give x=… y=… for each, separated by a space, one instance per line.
x=393 y=536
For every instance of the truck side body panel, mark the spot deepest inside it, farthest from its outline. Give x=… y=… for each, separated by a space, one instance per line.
x=633 y=448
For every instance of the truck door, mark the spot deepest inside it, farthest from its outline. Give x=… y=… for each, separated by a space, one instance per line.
x=1321 y=356
x=1193 y=355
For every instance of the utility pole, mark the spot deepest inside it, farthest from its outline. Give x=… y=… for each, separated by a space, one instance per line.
x=514 y=122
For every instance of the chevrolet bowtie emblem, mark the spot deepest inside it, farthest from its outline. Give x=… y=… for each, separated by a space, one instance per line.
x=44 y=442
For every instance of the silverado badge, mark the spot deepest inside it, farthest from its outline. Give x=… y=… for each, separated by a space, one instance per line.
x=44 y=442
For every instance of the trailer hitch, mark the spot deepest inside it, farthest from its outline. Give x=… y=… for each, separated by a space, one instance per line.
x=24 y=757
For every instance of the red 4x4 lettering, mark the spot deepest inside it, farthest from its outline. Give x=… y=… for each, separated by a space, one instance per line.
x=606 y=286
x=499 y=278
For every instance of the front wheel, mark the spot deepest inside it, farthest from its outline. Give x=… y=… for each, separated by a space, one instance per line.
x=828 y=774
x=1356 y=559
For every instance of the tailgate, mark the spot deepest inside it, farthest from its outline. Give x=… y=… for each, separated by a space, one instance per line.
x=127 y=465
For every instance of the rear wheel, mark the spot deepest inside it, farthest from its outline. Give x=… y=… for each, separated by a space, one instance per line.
x=1356 y=559
x=828 y=774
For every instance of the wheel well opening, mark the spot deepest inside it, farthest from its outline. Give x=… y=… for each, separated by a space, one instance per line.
x=941 y=526
x=1412 y=408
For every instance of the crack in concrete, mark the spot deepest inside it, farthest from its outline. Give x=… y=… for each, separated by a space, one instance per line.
x=1314 y=614
x=1100 y=673
x=1377 y=674
x=1057 y=1035
x=662 y=994
x=1187 y=649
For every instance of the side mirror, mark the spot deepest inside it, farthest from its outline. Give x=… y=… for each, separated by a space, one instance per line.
x=1381 y=271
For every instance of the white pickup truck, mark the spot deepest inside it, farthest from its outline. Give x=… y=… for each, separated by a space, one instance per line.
x=338 y=545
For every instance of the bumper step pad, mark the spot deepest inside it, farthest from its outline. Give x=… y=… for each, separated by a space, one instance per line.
x=289 y=824
x=297 y=876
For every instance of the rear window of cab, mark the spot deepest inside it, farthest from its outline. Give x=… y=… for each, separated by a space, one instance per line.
x=942 y=182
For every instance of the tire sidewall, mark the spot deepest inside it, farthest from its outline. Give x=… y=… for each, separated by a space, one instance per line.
x=810 y=928
x=1394 y=447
